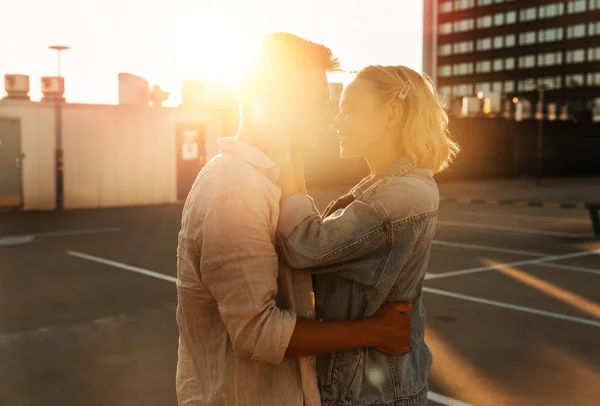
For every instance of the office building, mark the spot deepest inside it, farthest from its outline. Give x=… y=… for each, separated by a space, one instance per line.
x=514 y=46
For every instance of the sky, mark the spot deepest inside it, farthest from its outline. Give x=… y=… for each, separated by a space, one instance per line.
x=167 y=41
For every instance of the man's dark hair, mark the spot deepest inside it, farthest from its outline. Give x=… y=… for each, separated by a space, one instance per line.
x=281 y=60
x=282 y=50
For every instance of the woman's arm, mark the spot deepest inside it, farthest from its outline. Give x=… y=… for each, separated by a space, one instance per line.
x=307 y=241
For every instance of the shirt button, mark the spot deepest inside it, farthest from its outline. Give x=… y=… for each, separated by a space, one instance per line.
x=309 y=313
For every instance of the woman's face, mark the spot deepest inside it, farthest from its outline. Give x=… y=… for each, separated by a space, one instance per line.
x=363 y=119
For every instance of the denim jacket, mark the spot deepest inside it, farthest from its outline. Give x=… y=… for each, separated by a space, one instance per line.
x=373 y=251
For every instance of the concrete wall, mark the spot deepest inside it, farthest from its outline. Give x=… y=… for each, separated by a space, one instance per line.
x=37 y=143
x=113 y=155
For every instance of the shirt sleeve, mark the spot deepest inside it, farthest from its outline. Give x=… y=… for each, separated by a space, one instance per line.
x=239 y=267
x=308 y=241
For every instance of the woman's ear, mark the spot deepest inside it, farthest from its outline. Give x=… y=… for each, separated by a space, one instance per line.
x=395 y=115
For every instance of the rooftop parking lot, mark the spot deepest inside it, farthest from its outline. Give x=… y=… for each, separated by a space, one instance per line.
x=87 y=306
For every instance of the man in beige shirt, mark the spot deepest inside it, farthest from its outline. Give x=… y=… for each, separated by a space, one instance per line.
x=248 y=334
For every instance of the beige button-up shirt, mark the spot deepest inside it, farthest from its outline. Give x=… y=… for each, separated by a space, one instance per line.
x=237 y=304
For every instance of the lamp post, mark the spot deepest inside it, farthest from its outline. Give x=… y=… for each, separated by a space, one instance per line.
x=58 y=135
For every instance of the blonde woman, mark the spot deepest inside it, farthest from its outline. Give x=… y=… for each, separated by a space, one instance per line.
x=372 y=246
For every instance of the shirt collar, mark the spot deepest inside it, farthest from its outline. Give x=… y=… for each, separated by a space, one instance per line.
x=399 y=168
x=251 y=154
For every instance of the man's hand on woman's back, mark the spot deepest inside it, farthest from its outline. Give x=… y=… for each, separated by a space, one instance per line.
x=394 y=327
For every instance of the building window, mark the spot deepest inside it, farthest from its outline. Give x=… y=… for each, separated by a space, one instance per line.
x=552 y=10
x=445 y=28
x=594 y=29
x=484 y=22
x=484 y=44
x=463 y=4
x=550 y=59
x=445 y=91
x=593 y=79
x=509 y=63
x=594 y=5
x=499 y=19
x=576 y=6
x=511 y=17
x=445 y=71
x=446 y=7
x=527 y=38
x=463 y=47
x=498 y=42
x=484 y=87
x=574 y=80
x=510 y=40
x=463 y=90
x=576 y=31
x=593 y=54
x=465 y=68
x=576 y=56
x=483 y=66
x=497 y=87
x=527 y=61
x=484 y=2
x=509 y=86
x=550 y=83
x=498 y=65
x=528 y=14
x=445 y=50
x=526 y=85
x=464 y=25
x=550 y=35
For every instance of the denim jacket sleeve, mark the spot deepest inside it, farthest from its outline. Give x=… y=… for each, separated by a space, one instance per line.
x=239 y=267
x=308 y=241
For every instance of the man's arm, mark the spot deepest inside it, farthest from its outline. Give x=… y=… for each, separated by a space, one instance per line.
x=239 y=267
x=388 y=330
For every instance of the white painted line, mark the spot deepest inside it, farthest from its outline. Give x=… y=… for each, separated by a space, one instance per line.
x=512 y=264
x=78 y=232
x=511 y=251
x=488 y=248
x=123 y=266
x=529 y=217
x=571 y=268
x=435 y=397
x=30 y=237
x=16 y=240
x=511 y=229
x=559 y=316
x=444 y=400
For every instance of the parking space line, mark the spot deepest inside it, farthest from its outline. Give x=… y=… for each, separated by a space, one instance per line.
x=571 y=268
x=531 y=310
x=529 y=217
x=444 y=400
x=511 y=229
x=511 y=264
x=488 y=248
x=435 y=397
x=123 y=266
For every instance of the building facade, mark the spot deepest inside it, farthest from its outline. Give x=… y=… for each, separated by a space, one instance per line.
x=513 y=46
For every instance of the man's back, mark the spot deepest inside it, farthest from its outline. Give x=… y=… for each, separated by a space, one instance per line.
x=232 y=335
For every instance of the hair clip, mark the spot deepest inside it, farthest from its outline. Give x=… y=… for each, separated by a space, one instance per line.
x=404 y=91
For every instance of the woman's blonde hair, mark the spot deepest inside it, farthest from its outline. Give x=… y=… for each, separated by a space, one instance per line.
x=424 y=126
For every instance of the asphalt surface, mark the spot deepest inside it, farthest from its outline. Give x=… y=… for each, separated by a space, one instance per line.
x=80 y=325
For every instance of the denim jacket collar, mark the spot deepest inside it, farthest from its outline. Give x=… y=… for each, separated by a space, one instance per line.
x=399 y=168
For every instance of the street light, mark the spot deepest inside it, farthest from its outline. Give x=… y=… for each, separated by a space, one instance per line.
x=58 y=135
x=58 y=49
